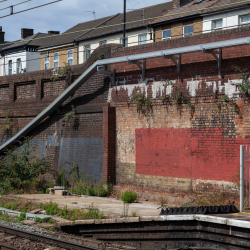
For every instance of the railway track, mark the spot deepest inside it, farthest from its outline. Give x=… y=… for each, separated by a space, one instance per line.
x=40 y=238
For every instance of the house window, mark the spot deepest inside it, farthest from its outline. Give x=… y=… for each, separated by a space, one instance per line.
x=188 y=30
x=245 y=20
x=102 y=42
x=56 y=60
x=46 y=61
x=70 y=57
x=18 y=65
x=217 y=24
x=143 y=39
x=126 y=41
x=10 y=67
x=166 y=34
x=87 y=51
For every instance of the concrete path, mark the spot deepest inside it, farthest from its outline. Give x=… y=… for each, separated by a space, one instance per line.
x=110 y=207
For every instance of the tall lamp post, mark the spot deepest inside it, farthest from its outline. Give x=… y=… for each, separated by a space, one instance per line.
x=124 y=23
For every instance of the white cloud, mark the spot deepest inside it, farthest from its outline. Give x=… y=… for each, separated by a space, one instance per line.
x=60 y=16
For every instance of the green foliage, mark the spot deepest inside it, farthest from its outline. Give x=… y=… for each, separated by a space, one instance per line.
x=22 y=216
x=39 y=220
x=51 y=208
x=90 y=191
x=244 y=86
x=6 y=125
x=47 y=191
x=51 y=221
x=52 y=229
x=142 y=102
x=61 y=71
x=164 y=97
x=19 y=168
x=70 y=114
x=128 y=196
x=79 y=214
x=227 y=101
x=179 y=97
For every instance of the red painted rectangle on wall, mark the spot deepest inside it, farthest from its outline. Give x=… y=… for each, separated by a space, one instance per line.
x=187 y=153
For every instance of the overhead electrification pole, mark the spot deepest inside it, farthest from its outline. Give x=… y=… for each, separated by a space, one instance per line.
x=124 y=23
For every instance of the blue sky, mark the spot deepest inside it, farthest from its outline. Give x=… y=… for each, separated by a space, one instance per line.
x=60 y=16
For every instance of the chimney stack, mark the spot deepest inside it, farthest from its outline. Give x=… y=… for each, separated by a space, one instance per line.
x=26 y=33
x=51 y=32
x=1 y=35
x=178 y=3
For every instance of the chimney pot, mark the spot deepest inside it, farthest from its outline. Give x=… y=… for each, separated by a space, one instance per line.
x=178 y=3
x=26 y=33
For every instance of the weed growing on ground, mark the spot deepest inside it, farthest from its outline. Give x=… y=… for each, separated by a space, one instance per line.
x=39 y=220
x=128 y=196
x=52 y=229
x=79 y=214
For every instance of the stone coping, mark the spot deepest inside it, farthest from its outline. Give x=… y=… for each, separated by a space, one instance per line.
x=189 y=217
x=29 y=216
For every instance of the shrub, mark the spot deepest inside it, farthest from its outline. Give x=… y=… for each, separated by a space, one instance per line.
x=90 y=191
x=19 y=168
x=101 y=191
x=128 y=196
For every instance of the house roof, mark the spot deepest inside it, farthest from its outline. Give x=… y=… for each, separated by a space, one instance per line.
x=99 y=27
x=35 y=40
x=198 y=7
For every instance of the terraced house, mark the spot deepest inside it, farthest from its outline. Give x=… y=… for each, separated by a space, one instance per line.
x=76 y=44
x=190 y=18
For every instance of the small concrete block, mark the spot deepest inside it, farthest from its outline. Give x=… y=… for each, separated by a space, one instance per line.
x=238 y=223
x=128 y=220
x=82 y=222
x=180 y=217
x=60 y=220
x=105 y=221
x=59 y=192
x=153 y=218
x=212 y=219
x=36 y=211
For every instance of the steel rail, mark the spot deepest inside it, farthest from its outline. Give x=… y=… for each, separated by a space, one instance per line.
x=45 y=239
x=7 y=247
x=93 y=69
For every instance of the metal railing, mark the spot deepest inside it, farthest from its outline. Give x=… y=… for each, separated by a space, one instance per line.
x=244 y=177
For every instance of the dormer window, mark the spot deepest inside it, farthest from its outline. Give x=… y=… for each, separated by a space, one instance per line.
x=245 y=20
x=217 y=24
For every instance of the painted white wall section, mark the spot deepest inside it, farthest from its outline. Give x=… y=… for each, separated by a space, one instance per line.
x=33 y=61
x=192 y=87
x=13 y=58
x=230 y=19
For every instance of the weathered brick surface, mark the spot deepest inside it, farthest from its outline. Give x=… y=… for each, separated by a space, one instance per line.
x=79 y=140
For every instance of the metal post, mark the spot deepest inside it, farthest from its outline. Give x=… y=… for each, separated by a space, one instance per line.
x=124 y=23
x=241 y=178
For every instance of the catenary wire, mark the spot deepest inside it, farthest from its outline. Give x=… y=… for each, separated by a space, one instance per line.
x=246 y=1
x=29 y=8
x=15 y=5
